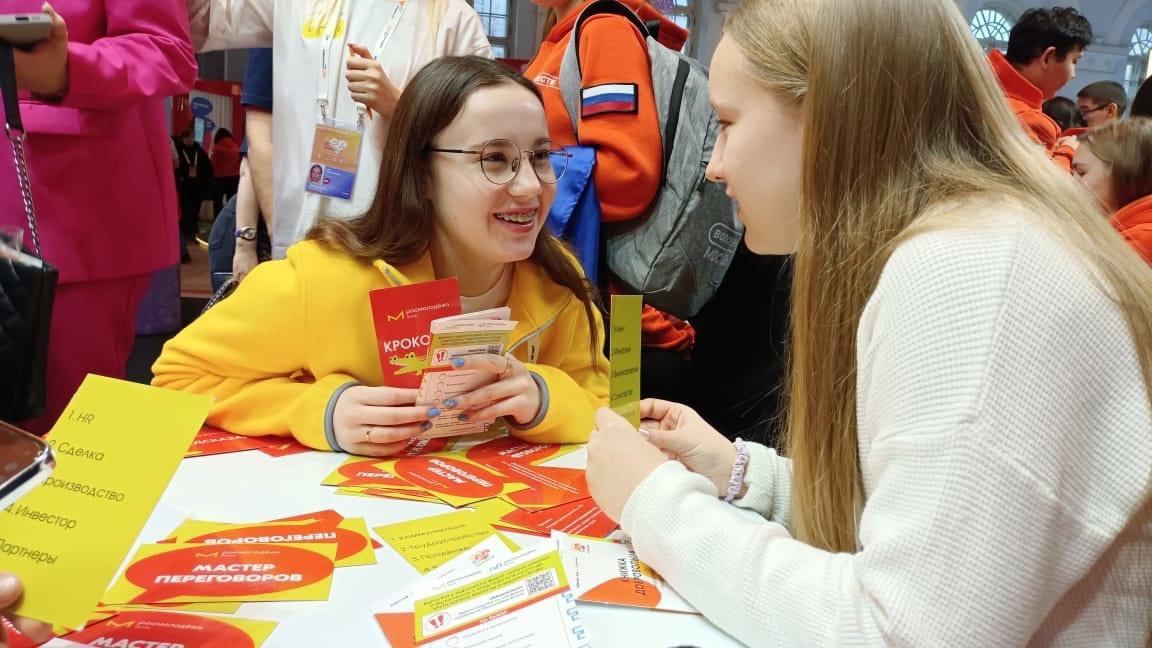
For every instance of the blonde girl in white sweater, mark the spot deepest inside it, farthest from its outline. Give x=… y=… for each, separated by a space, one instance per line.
x=969 y=444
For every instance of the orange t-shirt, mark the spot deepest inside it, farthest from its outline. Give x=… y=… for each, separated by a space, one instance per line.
x=1026 y=101
x=625 y=132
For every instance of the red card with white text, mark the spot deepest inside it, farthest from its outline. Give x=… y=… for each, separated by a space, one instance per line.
x=508 y=448
x=454 y=480
x=549 y=486
x=402 y=315
x=214 y=441
x=170 y=629
x=183 y=573
x=578 y=518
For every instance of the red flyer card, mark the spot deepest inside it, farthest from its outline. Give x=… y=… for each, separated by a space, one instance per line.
x=402 y=315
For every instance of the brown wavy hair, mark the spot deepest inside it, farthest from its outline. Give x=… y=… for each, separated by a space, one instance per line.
x=398 y=225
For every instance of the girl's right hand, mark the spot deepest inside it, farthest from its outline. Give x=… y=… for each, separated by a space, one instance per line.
x=683 y=435
x=379 y=421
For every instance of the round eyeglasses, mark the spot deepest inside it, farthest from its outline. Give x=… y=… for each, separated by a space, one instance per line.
x=500 y=160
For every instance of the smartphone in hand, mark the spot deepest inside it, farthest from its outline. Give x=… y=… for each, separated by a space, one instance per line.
x=24 y=30
x=25 y=463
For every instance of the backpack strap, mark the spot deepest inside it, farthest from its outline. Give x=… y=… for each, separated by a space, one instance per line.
x=570 y=77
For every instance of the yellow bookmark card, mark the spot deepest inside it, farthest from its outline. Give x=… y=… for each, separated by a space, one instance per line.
x=184 y=573
x=427 y=543
x=624 y=356
x=117 y=446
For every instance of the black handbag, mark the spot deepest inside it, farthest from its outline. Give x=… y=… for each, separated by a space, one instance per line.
x=27 y=285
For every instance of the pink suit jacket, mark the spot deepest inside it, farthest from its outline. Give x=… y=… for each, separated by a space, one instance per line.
x=100 y=161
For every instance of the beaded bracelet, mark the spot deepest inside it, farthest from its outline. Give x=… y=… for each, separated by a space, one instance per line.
x=738 y=467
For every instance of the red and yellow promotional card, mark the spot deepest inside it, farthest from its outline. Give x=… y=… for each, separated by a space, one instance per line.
x=401 y=316
x=391 y=493
x=353 y=544
x=454 y=480
x=507 y=448
x=549 y=486
x=184 y=573
x=214 y=441
x=170 y=629
x=428 y=543
x=578 y=518
x=284 y=448
x=357 y=472
x=225 y=607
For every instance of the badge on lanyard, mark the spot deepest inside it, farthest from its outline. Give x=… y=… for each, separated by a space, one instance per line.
x=335 y=159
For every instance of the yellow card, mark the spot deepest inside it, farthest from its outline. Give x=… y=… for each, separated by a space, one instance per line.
x=453 y=479
x=117 y=446
x=427 y=543
x=154 y=628
x=225 y=607
x=353 y=546
x=390 y=493
x=624 y=356
x=185 y=573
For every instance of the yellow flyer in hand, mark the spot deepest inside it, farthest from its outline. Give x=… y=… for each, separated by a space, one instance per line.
x=117 y=446
x=624 y=357
x=427 y=543
x=183 y=573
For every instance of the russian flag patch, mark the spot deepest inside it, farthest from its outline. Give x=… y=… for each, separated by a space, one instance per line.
x=608 y=98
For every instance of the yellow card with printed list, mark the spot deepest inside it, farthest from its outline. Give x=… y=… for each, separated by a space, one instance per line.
x=117 y=446
x=624 y=356
x=427 y=543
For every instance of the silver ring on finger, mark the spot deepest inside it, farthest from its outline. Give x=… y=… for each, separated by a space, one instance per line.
x=368 y=434
x=507 y=366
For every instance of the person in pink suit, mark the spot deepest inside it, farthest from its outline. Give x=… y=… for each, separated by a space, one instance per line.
x=92 y=99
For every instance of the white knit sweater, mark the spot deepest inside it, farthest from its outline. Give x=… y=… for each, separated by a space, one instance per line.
x=1006 y=447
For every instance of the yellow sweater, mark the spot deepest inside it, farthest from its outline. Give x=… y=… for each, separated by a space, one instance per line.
x=275 y=352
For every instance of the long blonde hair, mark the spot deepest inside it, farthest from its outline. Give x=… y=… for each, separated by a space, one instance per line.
x=901 y=114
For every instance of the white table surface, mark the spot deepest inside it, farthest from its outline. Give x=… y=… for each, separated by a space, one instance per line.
x=251 y=487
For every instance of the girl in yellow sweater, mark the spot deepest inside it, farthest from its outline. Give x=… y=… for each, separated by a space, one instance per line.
x=465 y=185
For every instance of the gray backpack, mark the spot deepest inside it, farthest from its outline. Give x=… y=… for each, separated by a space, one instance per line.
x=677 y=253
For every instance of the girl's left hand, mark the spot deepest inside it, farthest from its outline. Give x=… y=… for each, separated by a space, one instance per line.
x=369 y=84
x=514 y=394
x=619 y=458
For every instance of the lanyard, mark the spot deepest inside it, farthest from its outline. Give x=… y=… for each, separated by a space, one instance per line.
x=328 y=58
x=190 y=161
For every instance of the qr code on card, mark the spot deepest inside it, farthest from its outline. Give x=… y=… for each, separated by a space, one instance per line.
x=540 y=582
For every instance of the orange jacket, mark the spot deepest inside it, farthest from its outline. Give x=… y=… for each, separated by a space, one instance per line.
x=1026 y=101
x=1134 y=222
x=628 y=150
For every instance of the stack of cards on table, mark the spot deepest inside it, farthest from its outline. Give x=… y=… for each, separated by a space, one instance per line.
x=501 y=475
x=288 y=559
x=488 y=596
x=491 y=594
